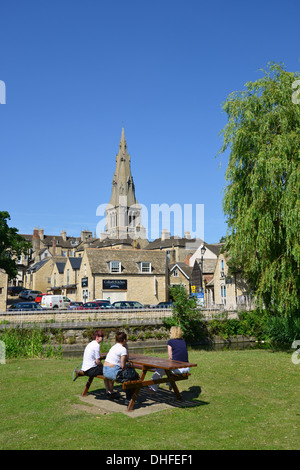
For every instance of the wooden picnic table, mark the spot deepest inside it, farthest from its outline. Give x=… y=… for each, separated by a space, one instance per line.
x=146 y=364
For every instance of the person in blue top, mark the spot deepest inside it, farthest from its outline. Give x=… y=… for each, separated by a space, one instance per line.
x=177 y=350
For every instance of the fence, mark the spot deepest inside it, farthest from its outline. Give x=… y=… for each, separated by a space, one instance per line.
x=78 y=316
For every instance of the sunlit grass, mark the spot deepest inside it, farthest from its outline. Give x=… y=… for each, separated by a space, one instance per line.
x=249 y=400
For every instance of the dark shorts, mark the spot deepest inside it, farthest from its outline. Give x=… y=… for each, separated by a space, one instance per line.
x=94 y=371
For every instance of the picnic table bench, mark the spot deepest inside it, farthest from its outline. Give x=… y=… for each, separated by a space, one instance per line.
x=146 y=364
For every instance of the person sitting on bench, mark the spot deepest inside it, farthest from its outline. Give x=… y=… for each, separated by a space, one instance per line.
x=177 y=350
x=115 y=361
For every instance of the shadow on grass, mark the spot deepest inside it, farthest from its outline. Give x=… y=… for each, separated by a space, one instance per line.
x=162 y=397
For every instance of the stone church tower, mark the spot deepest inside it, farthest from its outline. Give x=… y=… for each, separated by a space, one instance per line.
x=123 y=213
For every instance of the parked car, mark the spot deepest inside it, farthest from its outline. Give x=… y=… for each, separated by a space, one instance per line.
x=30 y=294
x=76 y=306
x=14 y=290
x=55 y=302
x=96 y=305
x=39 y=298
x=163 y=305
x=25 y=306
x=127 y=304
x=23 y=293
x=102 y=300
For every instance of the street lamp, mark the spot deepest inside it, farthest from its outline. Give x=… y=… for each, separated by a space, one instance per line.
x=203 y=250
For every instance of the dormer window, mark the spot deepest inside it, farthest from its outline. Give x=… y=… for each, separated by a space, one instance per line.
x=115 y=266
x=145 y=267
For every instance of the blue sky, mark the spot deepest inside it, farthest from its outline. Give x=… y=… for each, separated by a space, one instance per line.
x=76 y=72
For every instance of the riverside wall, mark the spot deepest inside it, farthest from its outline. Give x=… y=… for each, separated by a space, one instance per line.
x=73 y=330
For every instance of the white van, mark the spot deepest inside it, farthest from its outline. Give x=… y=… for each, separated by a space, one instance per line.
x=55 y=301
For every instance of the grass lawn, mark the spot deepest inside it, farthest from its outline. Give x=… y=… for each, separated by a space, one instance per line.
x=249 y=400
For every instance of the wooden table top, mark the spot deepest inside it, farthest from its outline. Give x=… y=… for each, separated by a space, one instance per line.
x=155 y=362
x=158 y=362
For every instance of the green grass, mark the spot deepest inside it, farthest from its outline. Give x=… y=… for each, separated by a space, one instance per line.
x=249 y=400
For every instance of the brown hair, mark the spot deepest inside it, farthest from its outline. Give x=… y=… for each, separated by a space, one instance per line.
x=98 y=333
x=120 y=337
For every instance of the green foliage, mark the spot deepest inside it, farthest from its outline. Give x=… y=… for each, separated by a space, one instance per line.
x=12 y=245
x=277 y=331
x=33 y=342
x=282 y=331
x=261 y=198
x=186 y=314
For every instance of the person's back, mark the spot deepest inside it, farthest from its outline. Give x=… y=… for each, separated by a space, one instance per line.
x=115 y=353
x=91 y=363
x=179 y=349
x=91 y=353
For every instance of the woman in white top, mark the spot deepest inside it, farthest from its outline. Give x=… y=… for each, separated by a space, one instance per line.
x=116 y=360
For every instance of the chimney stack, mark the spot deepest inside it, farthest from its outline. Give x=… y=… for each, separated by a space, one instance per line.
x=165 y=235
x=36 y=243
x=53 y=246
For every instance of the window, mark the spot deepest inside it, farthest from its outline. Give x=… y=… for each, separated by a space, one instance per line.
x=145 y=267
x=68 y=276
x=175 y=273
x=115 y=266
x=223 y=291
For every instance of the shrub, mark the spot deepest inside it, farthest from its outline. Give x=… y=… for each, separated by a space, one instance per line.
x=282 y=331
x=186 y=314
x=33 y=342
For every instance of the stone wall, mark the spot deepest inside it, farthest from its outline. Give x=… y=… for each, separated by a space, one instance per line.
x=3 y=289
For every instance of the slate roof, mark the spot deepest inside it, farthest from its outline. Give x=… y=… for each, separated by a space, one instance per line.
x=130 y=259
x=75 y=262
x=172 y=241
x=61 y=266
x=187 y=270
x=96 y=243
x=215 y=247
x=48 y=241
x=209 y=266
x=36 y=266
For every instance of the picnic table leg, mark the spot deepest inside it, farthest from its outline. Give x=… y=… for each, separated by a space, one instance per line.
x=173 y=384
x=87 y=386
x=137 y=391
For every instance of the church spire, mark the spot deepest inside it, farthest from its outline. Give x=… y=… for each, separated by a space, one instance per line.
x=123 y=185
x=123 y=213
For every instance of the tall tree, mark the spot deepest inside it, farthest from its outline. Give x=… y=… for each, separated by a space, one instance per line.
x=12 y=245
x=261 y=199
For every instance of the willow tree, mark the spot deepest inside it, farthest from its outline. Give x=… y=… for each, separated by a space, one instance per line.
x=261 y=196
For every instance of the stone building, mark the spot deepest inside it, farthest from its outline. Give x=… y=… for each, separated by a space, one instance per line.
x=38 y=276
x=57 y=276
x=180 y=273
x=230 y=289
x=71 y=278
x=178 y=250
x=123 y=275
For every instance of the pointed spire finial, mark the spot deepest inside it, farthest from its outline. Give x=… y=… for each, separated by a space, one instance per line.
x=123 y=140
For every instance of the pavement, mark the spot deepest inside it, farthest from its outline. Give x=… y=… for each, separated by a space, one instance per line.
x=97 y=403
